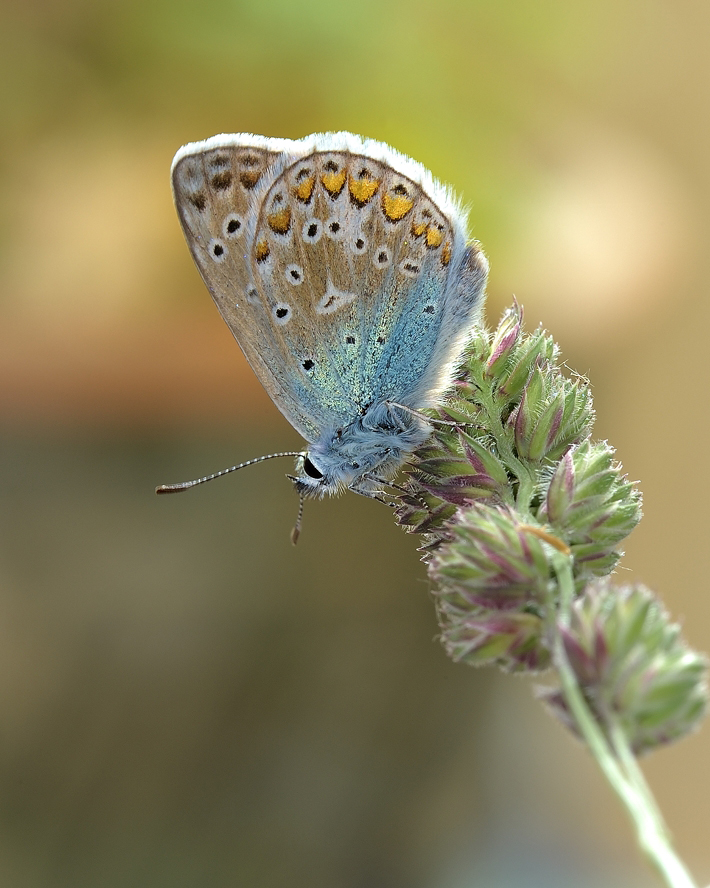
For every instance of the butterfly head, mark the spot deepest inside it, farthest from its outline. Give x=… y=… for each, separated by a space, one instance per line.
x=360 y=455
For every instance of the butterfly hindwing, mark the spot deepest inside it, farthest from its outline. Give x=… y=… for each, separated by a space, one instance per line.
x=358 y=260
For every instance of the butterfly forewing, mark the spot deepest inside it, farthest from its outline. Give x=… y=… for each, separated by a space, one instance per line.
x=218 y=194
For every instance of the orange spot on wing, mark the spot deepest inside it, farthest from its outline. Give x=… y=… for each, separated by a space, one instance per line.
x=446 y=253
x=262 y=251
x=396 y=206
x=280 y=222
x=333 y=182
x=433 y=237
x=362 y=190
x=304 y=189
x=418 y=228
x=249 y=178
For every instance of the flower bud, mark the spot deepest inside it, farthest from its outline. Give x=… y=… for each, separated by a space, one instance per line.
x=423 y=514
x=460 y=406
x=529 y=350
x=505 y=339
x=554 y=413
x=471 y=473
x=491 y=560
x=453 y=469
x=592 y=506
x=633 y=666
x=514 y=640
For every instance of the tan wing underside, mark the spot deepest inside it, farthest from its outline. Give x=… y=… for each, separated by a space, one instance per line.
x=313 y=285
x=217 y=194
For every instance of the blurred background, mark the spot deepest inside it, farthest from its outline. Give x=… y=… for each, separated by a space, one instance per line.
x=187 y=700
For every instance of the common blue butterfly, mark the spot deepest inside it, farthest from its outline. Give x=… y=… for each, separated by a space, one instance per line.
x=345 y=273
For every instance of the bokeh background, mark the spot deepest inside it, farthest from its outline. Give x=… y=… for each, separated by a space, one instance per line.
x=185 y=699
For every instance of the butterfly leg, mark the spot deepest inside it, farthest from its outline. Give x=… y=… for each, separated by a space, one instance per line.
x=430 y=420
x=378 y=495
x=423 y=503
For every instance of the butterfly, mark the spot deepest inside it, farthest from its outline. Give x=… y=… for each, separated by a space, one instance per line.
x=345 y=272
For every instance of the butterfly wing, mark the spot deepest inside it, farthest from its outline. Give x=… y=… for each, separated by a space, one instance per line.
x=377 y=288
x=218 y=186
x=343 y=280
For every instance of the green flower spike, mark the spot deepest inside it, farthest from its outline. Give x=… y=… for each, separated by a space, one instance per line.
x=521 y=514
x=518 y=413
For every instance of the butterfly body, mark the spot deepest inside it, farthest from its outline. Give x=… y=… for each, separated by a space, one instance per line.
x=344 y=272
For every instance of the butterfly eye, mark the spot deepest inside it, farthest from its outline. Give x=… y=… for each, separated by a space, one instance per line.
x=311 y=470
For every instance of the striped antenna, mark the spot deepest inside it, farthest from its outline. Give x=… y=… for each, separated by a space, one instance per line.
x=186 y=485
